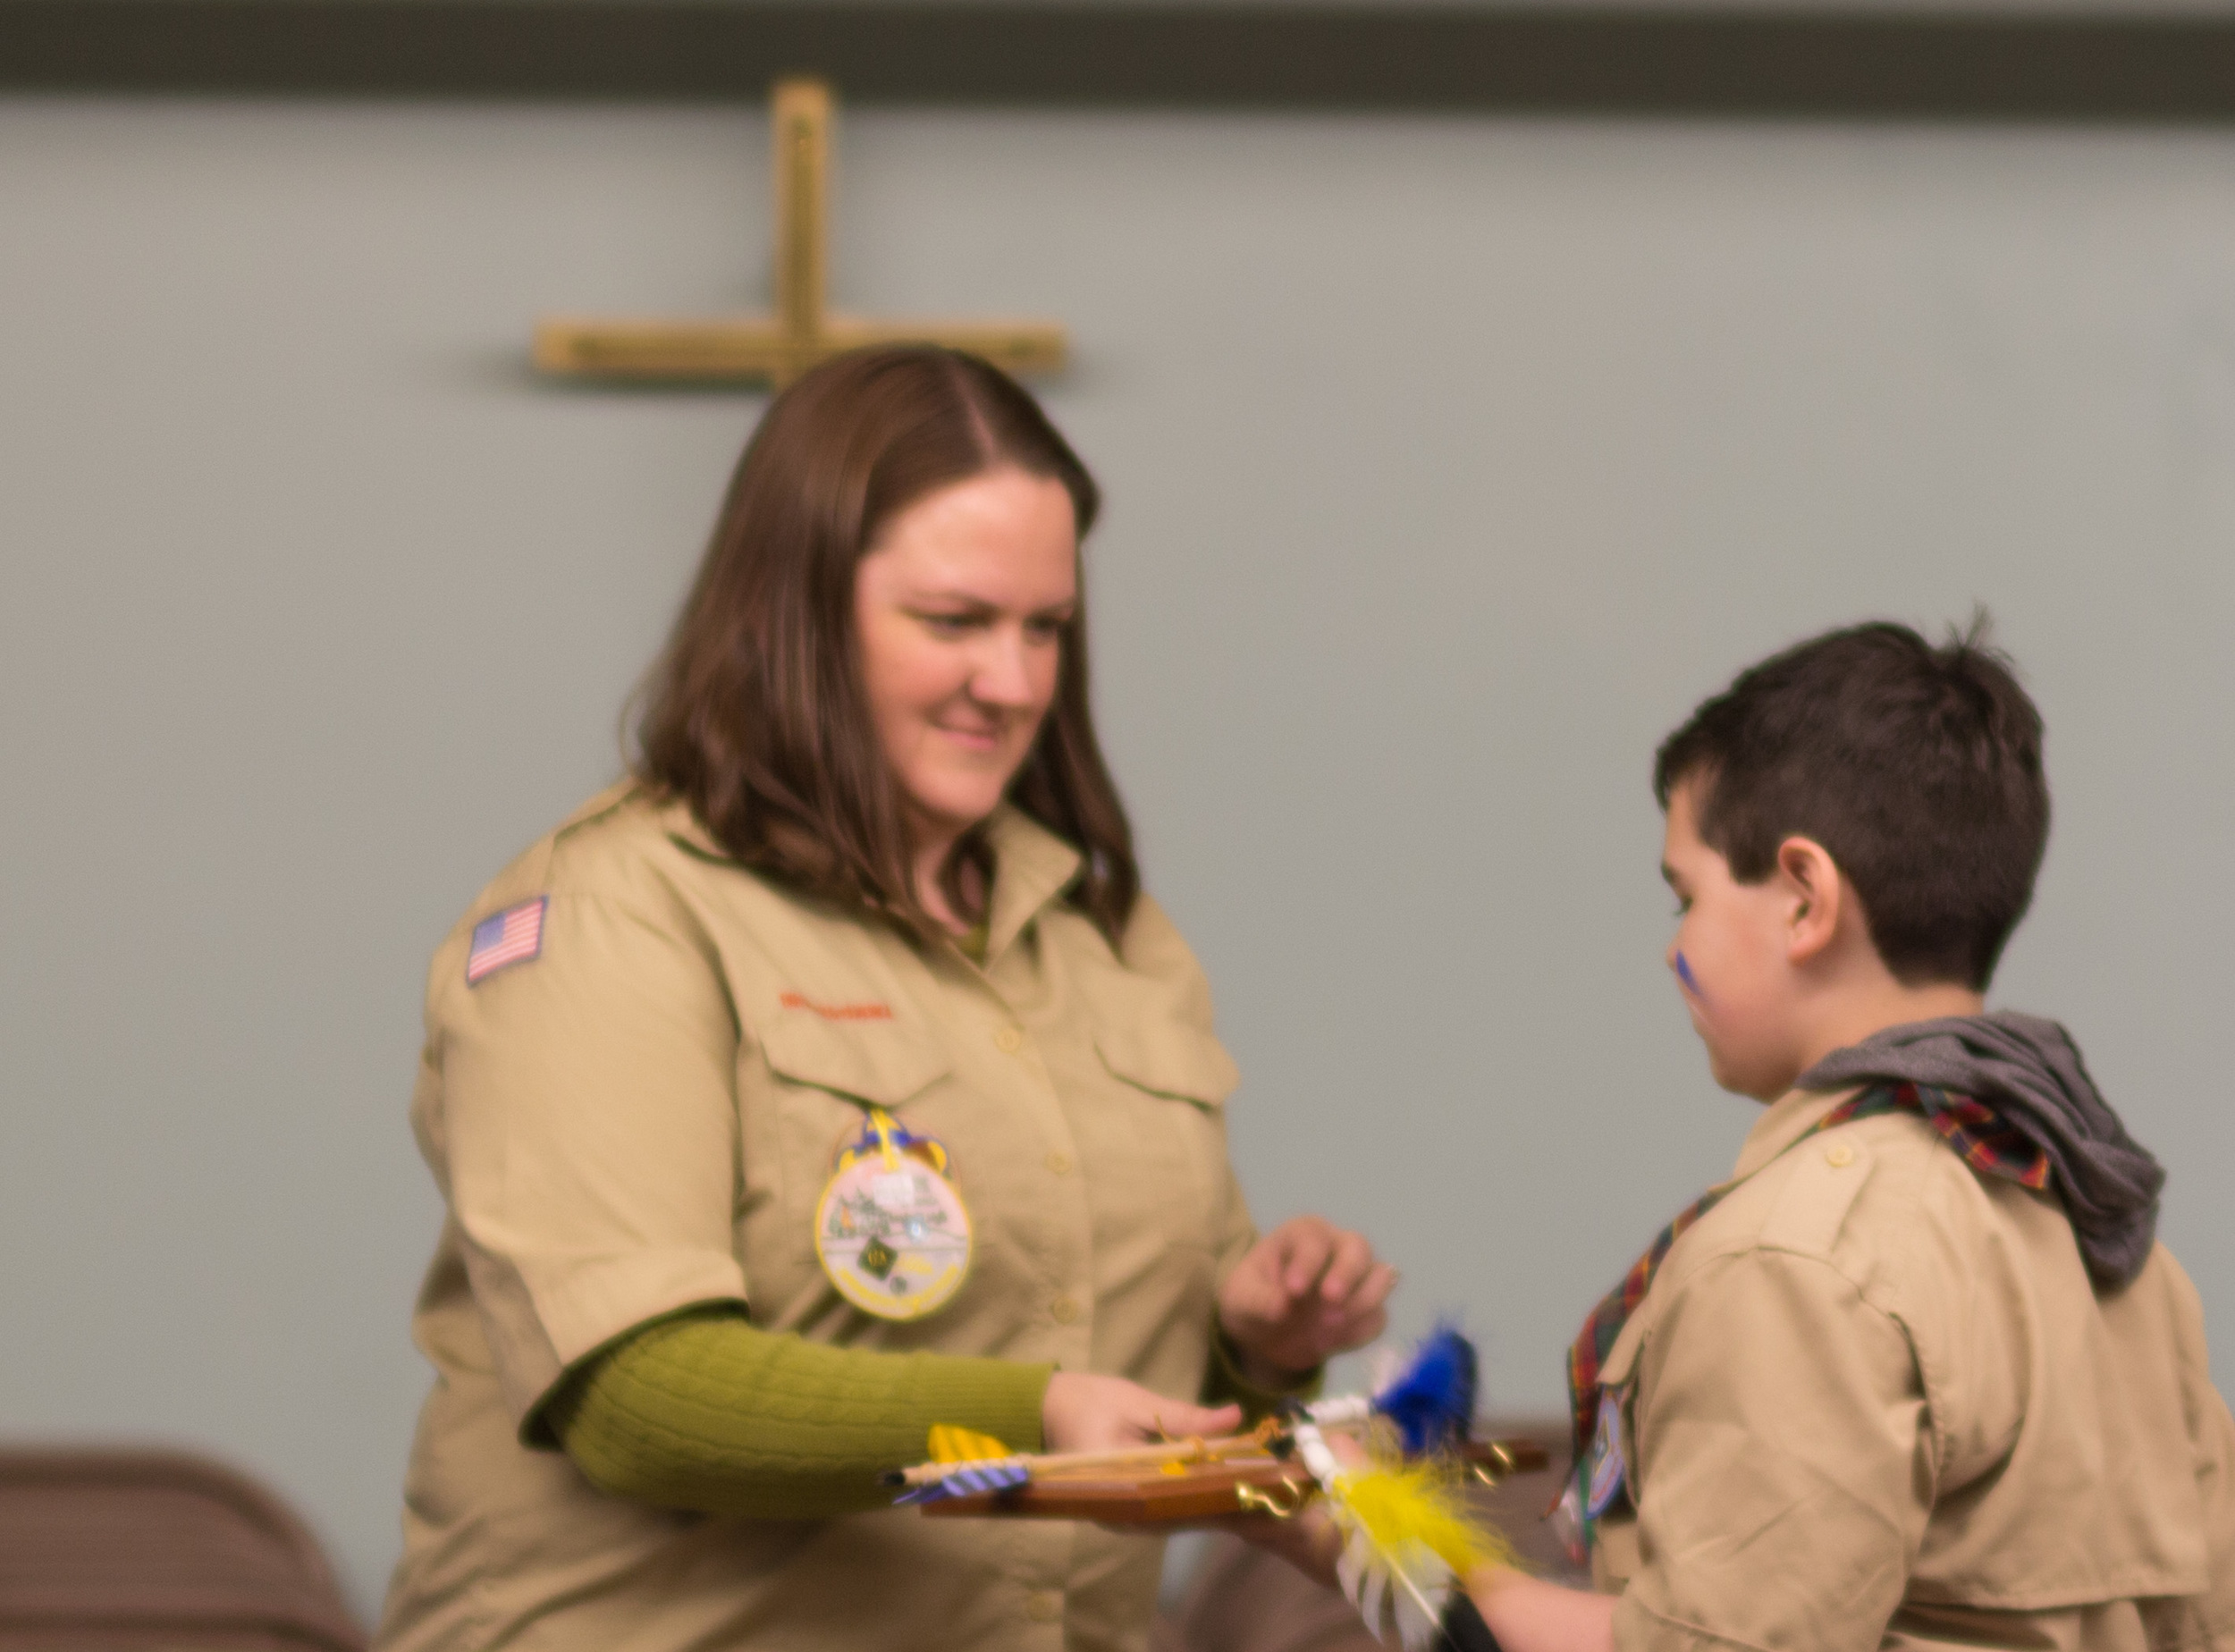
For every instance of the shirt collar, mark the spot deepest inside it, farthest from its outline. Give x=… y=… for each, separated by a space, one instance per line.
x=1032 y=868
x=1785 y=1121
x=684 y=827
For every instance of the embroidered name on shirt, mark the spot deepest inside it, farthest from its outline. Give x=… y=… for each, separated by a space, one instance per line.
x=837 y=1012
x=513 y=936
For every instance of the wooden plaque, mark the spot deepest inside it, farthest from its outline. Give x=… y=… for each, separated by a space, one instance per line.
x=1198 y=1491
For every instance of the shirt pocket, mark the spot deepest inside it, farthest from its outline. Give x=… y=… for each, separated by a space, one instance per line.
x=1171 y=1081
x=881 y=1062
x=804 y=1089
x=1619 y=1367
x=1175 y=1060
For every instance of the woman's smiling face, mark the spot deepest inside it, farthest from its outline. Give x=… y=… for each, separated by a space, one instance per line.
x=961 y=604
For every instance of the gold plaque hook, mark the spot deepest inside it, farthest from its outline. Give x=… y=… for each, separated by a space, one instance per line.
x=1500 y=1465
x=1252 y=1501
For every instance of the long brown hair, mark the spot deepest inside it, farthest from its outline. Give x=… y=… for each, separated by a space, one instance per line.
x=754 y=713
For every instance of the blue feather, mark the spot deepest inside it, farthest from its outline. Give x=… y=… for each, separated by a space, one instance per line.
x=1431 y=1400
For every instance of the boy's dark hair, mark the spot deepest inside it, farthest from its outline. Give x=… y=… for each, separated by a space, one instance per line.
x=1919 y=770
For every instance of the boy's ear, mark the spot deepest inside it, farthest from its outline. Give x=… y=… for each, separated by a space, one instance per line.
x=1810 y=881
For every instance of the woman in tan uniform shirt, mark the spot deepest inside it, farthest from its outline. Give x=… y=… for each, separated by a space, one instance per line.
x=857 y=955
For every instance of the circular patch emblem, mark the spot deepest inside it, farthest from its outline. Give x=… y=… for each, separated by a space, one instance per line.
x=891 y=1231
x=1606 y=1467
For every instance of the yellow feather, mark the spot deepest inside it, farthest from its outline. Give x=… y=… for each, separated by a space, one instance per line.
x=949 y=1444
x=1401 y=1504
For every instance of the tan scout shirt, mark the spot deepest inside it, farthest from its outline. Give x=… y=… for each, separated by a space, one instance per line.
x=645 y=1115
x=1871 y=1400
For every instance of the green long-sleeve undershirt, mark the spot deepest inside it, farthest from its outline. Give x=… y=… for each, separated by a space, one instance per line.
x=703 y=1411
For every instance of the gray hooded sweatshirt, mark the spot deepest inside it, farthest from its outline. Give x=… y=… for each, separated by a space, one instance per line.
x=2029 y=1072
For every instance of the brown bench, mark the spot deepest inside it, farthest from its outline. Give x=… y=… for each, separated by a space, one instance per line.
x=116 y=1551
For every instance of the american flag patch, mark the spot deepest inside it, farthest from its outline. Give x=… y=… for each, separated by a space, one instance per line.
x=512 y=936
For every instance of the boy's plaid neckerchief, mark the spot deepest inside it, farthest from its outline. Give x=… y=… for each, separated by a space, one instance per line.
x=1985 y=1142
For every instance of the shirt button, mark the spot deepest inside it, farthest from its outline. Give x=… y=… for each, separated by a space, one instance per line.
x=1008 y=1040
x=1060 y=1163
x=1839 y=1155
x=1064 y=1309
x=1044 y=1605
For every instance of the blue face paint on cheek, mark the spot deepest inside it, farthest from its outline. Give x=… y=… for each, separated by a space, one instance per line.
x=1691 y=980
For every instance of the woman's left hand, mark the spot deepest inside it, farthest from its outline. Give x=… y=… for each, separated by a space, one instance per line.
x=1306 y=1291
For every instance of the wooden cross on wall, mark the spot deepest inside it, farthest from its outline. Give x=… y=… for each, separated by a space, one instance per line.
x=775 y=350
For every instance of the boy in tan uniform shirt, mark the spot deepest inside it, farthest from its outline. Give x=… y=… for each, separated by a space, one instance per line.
x=1917 y=1375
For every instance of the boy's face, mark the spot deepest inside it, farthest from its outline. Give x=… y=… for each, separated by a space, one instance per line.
x=1730 y=960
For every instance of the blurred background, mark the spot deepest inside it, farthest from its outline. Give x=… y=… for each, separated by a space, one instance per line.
x=1456 y=445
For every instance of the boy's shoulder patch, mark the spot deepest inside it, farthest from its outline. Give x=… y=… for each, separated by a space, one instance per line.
x=503 y=938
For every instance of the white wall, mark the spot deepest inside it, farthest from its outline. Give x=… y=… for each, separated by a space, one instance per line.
x=1450 y=462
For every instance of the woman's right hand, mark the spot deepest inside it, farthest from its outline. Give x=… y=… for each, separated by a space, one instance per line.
x=1083 y=1412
